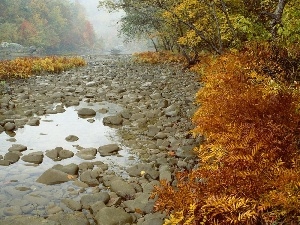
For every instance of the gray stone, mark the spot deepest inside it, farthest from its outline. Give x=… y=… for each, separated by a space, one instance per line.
x=4 y=162
x=135 y=171
x=113 y=216
x=87 y=153
x=34 y=122
x=97 y=206
x=71 y=169
x=25 y=220
x=142 y=203
x=64 y=154
x=52 y=176
x=72 y=138
x=109 y=149
x=12 y=210
x=89 y=178
x=88 y=200
x=76 y=218
x=122 y=188
x=113 y=120
x=12 y=157
x=17 y=148
x=72 y=204
x=9 y=126
x=34 y=157
x=86 y=112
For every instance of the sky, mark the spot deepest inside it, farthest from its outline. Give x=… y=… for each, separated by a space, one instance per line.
x=106 y=27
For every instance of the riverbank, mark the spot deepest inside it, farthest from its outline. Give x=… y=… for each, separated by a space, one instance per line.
x=152 y=126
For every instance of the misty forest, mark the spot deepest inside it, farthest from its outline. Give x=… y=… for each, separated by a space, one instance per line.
x=175 y=112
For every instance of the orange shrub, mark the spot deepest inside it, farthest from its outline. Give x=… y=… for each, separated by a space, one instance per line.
x=249 y=170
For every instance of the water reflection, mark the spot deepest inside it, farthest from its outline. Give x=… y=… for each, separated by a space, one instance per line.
x=51 y=133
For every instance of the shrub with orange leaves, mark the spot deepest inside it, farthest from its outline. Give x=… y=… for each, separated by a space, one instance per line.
x=249 y=170
x=28 y=66
x=158 y=57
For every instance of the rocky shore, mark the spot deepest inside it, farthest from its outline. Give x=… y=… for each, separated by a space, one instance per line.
x=156 y=104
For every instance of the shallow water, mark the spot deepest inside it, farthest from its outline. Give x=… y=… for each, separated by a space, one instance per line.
x=51 y=133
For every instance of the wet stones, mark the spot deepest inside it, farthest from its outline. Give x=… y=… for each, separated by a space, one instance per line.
x=17 y=148
x=53 y=176
x=87 y=153
x=34 y=157
x=107 y=150
x=59 y=153
x=112 y=216
x=112 y=120
x=86 y=112
x=72 y=138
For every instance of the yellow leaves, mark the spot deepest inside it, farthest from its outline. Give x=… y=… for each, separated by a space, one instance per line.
x=191 y=39
x=158 y=57
x=26 y=67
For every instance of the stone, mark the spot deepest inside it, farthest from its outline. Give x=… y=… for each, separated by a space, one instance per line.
x=122 y=188
x=72 y=138
x=72 y=204
x=86 y=112
x=65 y=154
x=88 y=178
x=76 y=218
x=109 y=149
x=12 y=210
x=12 y=157
x=87 y=153
x=142 y=204
x=135 y=171
x=113 y=120
x=34 y=157
x=71 y=169
x=9 y=126
x=88 y=200
x=97 y=206
x=113 y=216
x=52 y=176
x=25 y=220
x=4 y=162
x=17 y=148
x=34 y=122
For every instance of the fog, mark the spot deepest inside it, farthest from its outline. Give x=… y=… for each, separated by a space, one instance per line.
x=106 y=26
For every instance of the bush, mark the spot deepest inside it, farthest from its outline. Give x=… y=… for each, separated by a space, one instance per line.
x=249 y=170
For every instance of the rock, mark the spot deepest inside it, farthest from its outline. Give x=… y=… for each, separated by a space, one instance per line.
x=142 y=204
x=172 y=111
x=113 y=216
x=59 y=153
x=97 y=206
x=135 y=171
x=34 y=157
x=12 y=210
x=109 y=149
x=17 y=148
x=88 y=200
x=54 y=209
x=25 y=220
x=52 y=176
x=72 y=204
x=9 y=126
x=65 y=154
x=4 y=162
x=86 y=112
x=161 y=135
x=77 y=218
x=87 y=153
x=12 y=157
x=122 y=188
x=153 y=219
x=112 y=120
x=34 y=122
x=71 y=169
x=88 y=178
x=71 y=138
x=165 y=173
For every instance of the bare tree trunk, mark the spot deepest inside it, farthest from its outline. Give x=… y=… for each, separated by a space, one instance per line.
x=277 y=16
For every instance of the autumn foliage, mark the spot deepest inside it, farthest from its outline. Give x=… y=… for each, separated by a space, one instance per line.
x=25 y=67
x=158 y=57
x=249 y=171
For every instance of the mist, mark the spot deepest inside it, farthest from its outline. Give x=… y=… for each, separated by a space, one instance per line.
x=106 y=26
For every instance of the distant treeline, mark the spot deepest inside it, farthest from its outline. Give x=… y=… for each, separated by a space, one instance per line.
x=56 y=25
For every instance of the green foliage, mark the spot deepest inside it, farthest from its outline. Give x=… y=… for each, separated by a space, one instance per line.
x=52 y=25
x=26 y=67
